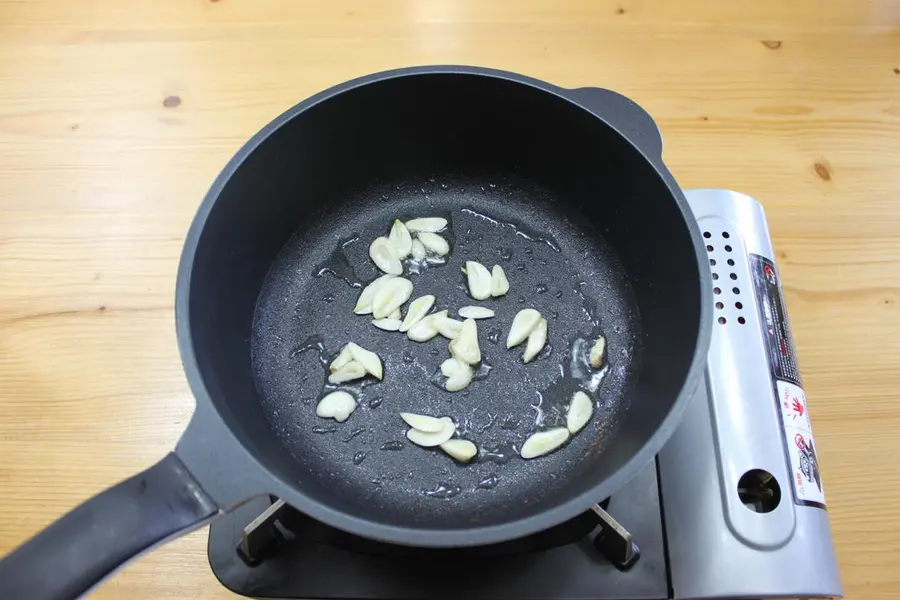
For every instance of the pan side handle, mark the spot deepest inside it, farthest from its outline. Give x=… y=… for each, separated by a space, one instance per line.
x=628 y=117
x=79 y=550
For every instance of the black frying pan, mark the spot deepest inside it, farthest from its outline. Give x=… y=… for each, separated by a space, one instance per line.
x=564 y=188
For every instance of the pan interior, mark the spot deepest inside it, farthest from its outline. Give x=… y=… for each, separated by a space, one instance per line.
x=441 y=143
x=556 y=261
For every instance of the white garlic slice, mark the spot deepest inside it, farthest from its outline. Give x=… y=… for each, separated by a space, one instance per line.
x=479 y=280
x=428 y=440
x=430 y=224
x=448 y=326
x=597 y=352
x=581 y=409
x=434 y=242
x=461 y=450
x=537 y=339
x=390 y=296
x=465 y=346
x=352 y=370
x=459 y=381
x=422 y=331
x=453 y=366
x=544 y=442
x=475 y=312
x=368 y=359
x=499 y=282
x=418 y=250
x=336 y=405
x=396 y=315
x=523 y=324
x=341 y=359
x=387 y=324
x=417 y=311
x=400 y=239
x=364 y=302
x=423 y=422
x=383 y=254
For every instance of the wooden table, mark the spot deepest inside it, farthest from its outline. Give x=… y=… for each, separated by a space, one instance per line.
x=115 y=116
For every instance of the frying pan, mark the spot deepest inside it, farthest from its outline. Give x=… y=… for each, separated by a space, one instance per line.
x=565 y=189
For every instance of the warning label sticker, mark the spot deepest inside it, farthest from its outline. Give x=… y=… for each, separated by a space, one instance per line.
x=796 y=426
x=800 y=445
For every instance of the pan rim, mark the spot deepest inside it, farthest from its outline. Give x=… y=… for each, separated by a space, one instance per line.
x=433 y=537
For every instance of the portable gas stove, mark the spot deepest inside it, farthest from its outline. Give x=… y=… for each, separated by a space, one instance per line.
x=732 y=507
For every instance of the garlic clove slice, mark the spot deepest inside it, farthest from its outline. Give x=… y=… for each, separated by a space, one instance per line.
x=429 y=440
x=390 y=296
x=537 y=339
x=448 y=327
x=368 y=359
x=418 y=250
x=364 y=302
x=429 y=224
x=479 y=280
x=352 y=370
x=580 y=411
x=387 y=324
x=461 y=450
x=475 y=312
x=383 y=254
x=396 y=315
x=417 y=311
x=423 y=423
x=422 y=331
x=499 y=282
x=523 y=324
x=465 y=346
x=544 y=442
x=459 y=381
x=336 y=405
x=341 y=359
x=434 y=242
x=453 y=366
x=400 y=239
x=597 y=352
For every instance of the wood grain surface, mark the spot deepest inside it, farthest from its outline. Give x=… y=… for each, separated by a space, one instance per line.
x=116 y=115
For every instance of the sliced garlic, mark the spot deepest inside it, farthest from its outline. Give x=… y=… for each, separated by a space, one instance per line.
x=368 y=359
x=536 y=341
x=364 y=302
x=352 y=370
x=523 y=324
x=448 y=327
x=341 y=359
x=431 y=224
x=337 y=406
x=581 y=409
x=479 y=280
x=390 y=296
x=461 y=450
x=459 y=381
x=423 y=423
x=597 y=352
x=475 y=312
x=418 y=250
x=396 y=315
x=544 y=442
x=400 y=239
x=454 y=366
x=383 y=254
x=417 y=310
x=499 y=282
x=428 y=440
x=422 y=331
x=434 y=242
x=387 y=324
x=465 y=346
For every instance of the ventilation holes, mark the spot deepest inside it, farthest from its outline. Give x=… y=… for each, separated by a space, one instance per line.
x=733 y=276
x=722 y=320
x=707 y=234
x=712 y=262
x=726 y=314
x=738 y=305
x=715 y=276
x=735 y=291
x=730 y=262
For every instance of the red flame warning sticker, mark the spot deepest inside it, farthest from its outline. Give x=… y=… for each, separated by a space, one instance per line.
x=801 y=447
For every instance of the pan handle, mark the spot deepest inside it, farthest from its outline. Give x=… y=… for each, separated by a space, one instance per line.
x=69 y=557
x=627 y=116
